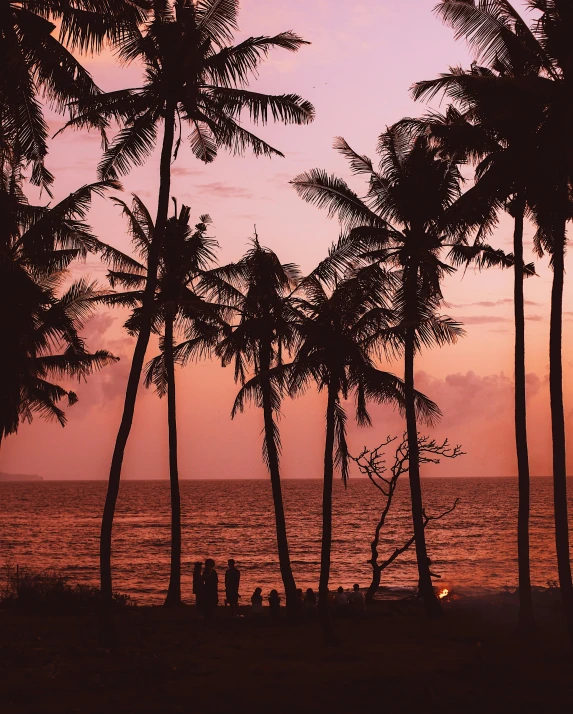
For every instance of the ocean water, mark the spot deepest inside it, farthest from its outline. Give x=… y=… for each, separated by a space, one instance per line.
x=56 y=525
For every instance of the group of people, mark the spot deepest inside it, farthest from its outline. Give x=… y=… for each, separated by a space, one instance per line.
x=206 y=587
x=206 y=591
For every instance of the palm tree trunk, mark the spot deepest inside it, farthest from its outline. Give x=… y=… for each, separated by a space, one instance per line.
x=431 y=603
x=526 y=618
x=558 y=428
x=173 y=598
x=138 y=358
x=274 y=471
x=327 y=631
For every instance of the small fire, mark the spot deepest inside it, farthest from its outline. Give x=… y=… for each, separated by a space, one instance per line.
x=444 y=593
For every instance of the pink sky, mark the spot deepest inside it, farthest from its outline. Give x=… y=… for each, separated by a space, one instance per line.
x=363 y=58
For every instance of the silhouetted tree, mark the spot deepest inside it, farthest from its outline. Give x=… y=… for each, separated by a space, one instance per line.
x=341 y=335
x=41 y=317
x=186 y=254
x=494 y=30
x=497 y=131
x=403 y=222
x=265 y=331
x=37 y=64
x=192 y=75
x=373 y=465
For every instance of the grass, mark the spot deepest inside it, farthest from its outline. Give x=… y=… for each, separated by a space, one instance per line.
x=50 y=592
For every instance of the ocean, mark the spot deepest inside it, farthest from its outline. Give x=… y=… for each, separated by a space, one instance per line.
x=55 y=524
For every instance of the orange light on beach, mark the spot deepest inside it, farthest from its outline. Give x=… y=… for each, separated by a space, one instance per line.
x=444 y=593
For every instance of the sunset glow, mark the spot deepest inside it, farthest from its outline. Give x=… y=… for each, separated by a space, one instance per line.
x=471 y=381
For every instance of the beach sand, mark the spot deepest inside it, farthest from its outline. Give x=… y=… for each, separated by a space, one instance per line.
x=393 y=661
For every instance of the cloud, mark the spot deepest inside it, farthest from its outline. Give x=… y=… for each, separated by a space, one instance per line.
x=223 y=190
x=482 y=319
x=106 y=386
x=492 y=303
x=185 y=171
x=535 y=318
x=478 y=413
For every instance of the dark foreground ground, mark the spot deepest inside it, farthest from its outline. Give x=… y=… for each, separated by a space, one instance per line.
x=392 y=661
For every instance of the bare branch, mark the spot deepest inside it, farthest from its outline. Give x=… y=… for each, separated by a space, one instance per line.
x=372 y=464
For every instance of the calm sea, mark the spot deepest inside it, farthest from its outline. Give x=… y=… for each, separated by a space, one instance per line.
x=56 y=524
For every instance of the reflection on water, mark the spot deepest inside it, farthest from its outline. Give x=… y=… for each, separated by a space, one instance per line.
x=56 y=524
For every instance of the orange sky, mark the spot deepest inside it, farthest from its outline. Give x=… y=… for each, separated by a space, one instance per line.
x=364 y=57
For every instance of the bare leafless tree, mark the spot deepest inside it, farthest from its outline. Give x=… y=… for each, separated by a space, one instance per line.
x=371 y=463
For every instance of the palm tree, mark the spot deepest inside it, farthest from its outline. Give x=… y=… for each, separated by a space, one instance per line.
x=37 y=65
x=266 y=330
x=341 y=335
x=496 y=130
x=402 y=222
x=187 y=253
x=548 y=51
x=193 y=75
x=41 y=325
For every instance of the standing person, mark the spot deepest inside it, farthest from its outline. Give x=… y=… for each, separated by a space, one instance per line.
x=198 y=587
x=232 y=579
x=210 y=588
x=358 y=601
x=274 y=604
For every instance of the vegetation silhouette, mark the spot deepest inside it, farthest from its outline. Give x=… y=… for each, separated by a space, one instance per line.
x=503 y=152
x=192 y=75
x=341 y=334
x=372 y=464
x=500 y=38
x=260 y=290
x=186 y=255
x=37 y=63
x=376 y=296
x=402 y=223
x=41 y=330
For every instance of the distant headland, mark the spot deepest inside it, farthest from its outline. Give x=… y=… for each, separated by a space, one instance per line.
x=19 y=477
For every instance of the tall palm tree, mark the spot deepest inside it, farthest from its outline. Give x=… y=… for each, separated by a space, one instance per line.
x=402 y=221
x=42 y=319
x=37 y=64
x=547 y=47
x=265 y=332
x=341 y=335
x=186 y=254
x=192 y=74
x=497 y=131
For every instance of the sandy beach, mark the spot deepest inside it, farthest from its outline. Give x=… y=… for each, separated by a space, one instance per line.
x=392 y=660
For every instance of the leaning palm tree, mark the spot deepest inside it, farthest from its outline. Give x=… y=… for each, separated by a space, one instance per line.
x=342 y=331
x=496 y=130
x=186 y=255
x=42 y=319
x=265 y=332
x=193 y=75
x=402 y=222
x=37 y=64
x=494 y=29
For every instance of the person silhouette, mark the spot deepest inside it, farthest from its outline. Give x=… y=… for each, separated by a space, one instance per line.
x=357 y=601
x=310 y=602
x=274 y=604
x=341 y=600
x=257 y=603
x=210 y=588
x=232 y=579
